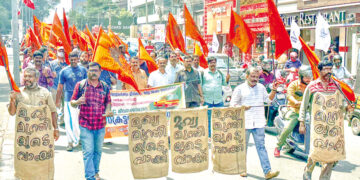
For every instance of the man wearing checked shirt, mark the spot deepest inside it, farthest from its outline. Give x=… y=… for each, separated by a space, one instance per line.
x=212 y=81
x=253 y=95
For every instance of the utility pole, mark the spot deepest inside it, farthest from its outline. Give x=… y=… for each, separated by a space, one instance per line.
x=15 y=41
x=146 y=11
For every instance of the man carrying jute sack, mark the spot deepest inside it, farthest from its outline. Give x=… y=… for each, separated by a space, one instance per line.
x=36 y=129
x=324 y=101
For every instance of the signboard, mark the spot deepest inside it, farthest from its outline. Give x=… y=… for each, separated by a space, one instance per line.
x=146 y=31
x=255 y=14
x=125 y=102
x=218 y=17
x=160 y=32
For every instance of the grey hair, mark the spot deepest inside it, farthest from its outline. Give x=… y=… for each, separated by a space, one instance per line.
x=251 y=69
x=33 y=70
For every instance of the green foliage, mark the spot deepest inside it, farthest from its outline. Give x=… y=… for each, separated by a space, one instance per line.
x=99 y=12
x=5 y=17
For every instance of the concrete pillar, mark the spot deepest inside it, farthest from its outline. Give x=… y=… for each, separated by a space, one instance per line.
x=354 y=54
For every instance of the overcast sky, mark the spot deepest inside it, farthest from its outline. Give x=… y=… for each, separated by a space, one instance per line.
x=63 y=4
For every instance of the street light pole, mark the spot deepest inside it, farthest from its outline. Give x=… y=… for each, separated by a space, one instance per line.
x=15 y=41
x=146 y=11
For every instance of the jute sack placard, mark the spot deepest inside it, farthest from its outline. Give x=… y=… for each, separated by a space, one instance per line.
x=228 y=140
x=148 y=144
x=189 y=140
x=327 y=143
x=34 y=143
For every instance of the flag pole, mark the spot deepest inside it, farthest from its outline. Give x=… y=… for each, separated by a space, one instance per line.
x=342 y=92
x=228 y=63
x=273 y=58
x=7 y=70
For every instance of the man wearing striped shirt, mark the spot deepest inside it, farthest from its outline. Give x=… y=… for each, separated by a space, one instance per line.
x=253 y=95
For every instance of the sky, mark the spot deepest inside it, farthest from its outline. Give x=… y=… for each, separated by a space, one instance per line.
x=63 y=4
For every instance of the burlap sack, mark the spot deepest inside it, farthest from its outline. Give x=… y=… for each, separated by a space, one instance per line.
x=327 y=143
x=189 y=140
x=34 y=143
x=228 y=140
x=148 y=144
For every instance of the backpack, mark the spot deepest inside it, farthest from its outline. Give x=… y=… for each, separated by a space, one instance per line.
x=84 y=82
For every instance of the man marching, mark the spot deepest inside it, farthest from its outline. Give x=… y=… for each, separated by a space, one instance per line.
x=323 y=98
x=253 y=95
x=35 y=108
x=94 y=99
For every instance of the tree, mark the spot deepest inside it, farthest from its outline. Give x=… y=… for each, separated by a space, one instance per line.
x=99 y=12
x=5 y=17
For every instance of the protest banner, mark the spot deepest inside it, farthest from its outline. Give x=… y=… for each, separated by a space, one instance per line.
x=125 y=102
x=327 y=143
x=148 y=144
x=189 y=140
x=228 y=140
x=34 y=143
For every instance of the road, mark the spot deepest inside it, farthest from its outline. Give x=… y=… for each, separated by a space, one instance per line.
x=115 y=163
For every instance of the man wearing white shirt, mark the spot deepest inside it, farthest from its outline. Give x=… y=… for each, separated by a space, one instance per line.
x=173 y=67
x=253 y=95
x=159 y=77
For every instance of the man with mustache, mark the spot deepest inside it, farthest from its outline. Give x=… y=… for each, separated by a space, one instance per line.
x=33 y=96
x=193 y=92
x=139 y=75
x=68 y=79
x=159 y=77
x=173 y=66
x=46 y=78
x=253 y=95
x=294 y=96
x=93 y=97
x=326 y=86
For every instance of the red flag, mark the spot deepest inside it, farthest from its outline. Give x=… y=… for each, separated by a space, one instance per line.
x=277 y=30
x=144 y=55
x=202 y=60
x=108 y=56
x=57 y=30
x=239 y=33
x=37 y=28
x=29 y=4
x=34 y=41
x=4 y=61
x=192 y=31
x=174 y=35
x=314 y=61
x=66 y=27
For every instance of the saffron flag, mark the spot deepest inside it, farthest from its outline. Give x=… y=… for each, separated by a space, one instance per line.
x=4 y=61
x=34 y=41
x=108 y=56
x=202 y=59
x=144 y=55
x=314 y=61
x=29 y=3
x=80 y=41
x=173 y=34
x=57 y=31
x=45 y=32
x=37 y=28
x=192 y=31
x=239 y=33
x=26 y=41
x=118 y=40
x=277 y=30
x=90 y=37
x=66 y=27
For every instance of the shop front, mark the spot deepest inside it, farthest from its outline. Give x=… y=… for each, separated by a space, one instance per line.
x=344 y=24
